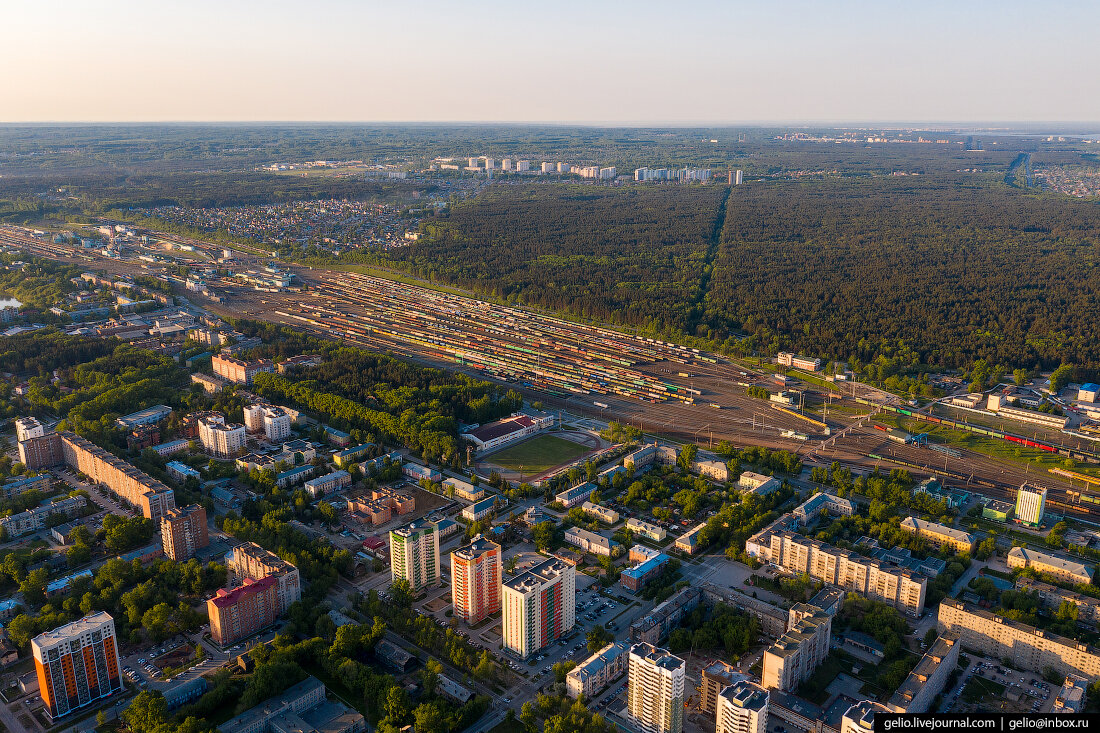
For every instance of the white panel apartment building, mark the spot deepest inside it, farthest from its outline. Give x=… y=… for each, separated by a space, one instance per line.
x=898 y=586
x=414 y=554
x=742 y=708
x=219 y=438
x=539 y=606
x=655 y=690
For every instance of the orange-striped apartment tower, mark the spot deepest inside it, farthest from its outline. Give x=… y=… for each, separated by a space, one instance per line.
x=77 y=664
x=475 y=580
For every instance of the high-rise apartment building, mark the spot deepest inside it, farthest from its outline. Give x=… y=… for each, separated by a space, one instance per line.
x=794 y=656
x=655 y=690
x=476 y=580
x=41 y=451
x=414 y=554
x=77 y=664
x=1031 y=502
x=263 y=586
x=182 y=531
x=742 y=708
x=522 y=166
x=242 y=611
x=219 y=438
x=539 y=606
x=27 y=428
x=860 y=718
x=249 y=560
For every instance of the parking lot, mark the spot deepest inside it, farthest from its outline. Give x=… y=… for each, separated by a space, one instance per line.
x=1023 y=691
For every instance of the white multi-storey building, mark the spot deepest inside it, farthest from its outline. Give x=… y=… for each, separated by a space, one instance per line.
x=742 y=708
x=28 y=427
x=655 y=690
x=414 y=554
x=219 y=438
x=1031 y=501
x=539 y=606
x=522 y=166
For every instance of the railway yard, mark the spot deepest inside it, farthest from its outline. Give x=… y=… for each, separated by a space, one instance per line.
x=663 y=388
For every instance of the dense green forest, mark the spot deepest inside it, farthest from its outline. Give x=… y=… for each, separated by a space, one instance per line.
x=939 y=270
x=635 y=255
x=955 y=269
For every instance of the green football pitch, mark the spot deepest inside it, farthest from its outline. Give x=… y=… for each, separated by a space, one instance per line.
x=537 y=454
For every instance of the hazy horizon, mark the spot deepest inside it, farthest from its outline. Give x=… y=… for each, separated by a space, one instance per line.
x=604 y=64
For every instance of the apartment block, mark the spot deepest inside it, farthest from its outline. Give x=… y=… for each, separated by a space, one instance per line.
x=414 y=554
x=150 y=496
x=689 y=541
x=794 y=656
x=182 y=531
x=15 y=487
x=1051 y=597
x=598 y=671
x=328 y=483
x=33 y=520
x=539 y=606
x=1024 y=646
x=238 y=613
x=1064 y=569
x=219 y=438
x=646 y=529
x=238 y=370
x=1031 y=501
x=715 y=677
x=860 y=718
x=940 y=535
x=41 y=451
x=822 y=502
x=249 y=560
x=929 y=676
x=27 y=428
x=742 y=708
x=587 y=541
x=77 y=664
x=655 y=690
x=476 y=577
x=898 y=586
x=602 y=513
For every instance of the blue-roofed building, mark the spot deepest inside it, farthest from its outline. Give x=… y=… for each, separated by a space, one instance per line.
x=61 y=585
x=9 y=609
x=576 y=495
x=149 y=416
x=337 y=437
x=23 y=485
x=635 y=578
x=1088 y=392
x=181 y=471
x=224 y=496
x=446 y=527
x=480 y=510
x=293 y=476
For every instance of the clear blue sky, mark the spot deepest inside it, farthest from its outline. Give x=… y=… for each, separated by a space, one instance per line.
x=675 y=61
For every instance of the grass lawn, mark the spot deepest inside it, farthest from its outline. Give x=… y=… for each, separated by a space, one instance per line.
x=979 y=688
x=538 y=454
